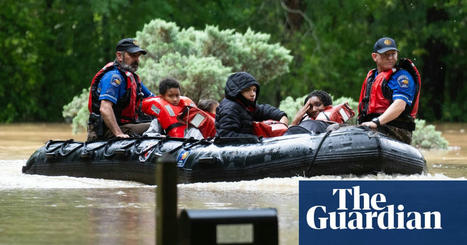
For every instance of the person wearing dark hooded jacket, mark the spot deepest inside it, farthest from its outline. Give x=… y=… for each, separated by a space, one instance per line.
x=237 y=111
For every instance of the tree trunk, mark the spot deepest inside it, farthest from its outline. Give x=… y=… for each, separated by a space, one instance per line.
x=294 y=19
x=434 y=69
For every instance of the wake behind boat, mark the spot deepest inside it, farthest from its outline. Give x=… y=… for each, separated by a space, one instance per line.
x=348 y=150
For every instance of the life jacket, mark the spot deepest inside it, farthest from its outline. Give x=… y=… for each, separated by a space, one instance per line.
x=202 y=120
x=339 y=114
x=269 y=128
x=376 y=96
x=126 y=108
x=175 y=119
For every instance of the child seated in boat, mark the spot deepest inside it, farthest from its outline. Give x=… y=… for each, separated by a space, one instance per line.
x=238 y=110
x=176 y=115
x=318 y=114
x=208 y=106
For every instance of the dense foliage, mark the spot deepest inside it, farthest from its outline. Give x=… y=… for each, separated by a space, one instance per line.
x=51 y=48
x=200 y=60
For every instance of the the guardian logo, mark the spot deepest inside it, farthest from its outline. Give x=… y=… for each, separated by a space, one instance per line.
x=367 y=212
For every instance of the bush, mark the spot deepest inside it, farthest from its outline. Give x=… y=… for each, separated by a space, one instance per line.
x=426 y=136
x=291 y=106
x=200 y=60
x=77 y=111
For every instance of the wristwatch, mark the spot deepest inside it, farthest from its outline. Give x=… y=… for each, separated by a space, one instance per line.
x=376 y=121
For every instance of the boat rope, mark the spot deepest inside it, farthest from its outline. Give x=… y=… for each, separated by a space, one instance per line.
x=87 y=153
x=378 y=145
x=120 y=150
x=52 y=154
x=47 y=145
x=158 y=144
x=86 y=150
x=188 y=147
x=316 y=152
x=64 y=154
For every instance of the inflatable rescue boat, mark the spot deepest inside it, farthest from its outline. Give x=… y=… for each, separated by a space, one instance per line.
x=348 y=150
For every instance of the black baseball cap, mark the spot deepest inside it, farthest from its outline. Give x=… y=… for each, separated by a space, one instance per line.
x=129 y=45
x=384 y=44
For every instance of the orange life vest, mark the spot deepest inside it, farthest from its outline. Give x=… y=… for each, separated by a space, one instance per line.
x=269 y=128
x=339 y=113
x=201 y=120
x=175 y=119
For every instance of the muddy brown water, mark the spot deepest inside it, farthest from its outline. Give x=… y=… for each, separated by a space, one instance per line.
x=57 y=210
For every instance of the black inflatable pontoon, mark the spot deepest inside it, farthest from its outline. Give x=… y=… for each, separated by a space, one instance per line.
x=349 y=150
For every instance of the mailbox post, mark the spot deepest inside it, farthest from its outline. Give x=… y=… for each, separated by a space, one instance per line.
x=166 y=200
x=229 y=226
x=226 y=226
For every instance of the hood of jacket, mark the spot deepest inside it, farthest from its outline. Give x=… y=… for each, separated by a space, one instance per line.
x=238 y=82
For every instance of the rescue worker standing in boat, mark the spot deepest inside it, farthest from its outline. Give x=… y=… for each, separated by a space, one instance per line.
x=115 y=96
x=389 y=97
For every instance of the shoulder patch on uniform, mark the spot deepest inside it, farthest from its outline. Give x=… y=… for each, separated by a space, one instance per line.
x=403 y=81
x=115 y=80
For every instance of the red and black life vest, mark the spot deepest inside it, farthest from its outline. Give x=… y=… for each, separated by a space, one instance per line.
x=376 y=96
x=126 y=108
x=175 y=119
x=338 y=114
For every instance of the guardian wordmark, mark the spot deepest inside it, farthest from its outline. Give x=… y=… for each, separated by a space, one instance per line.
x=367 y=212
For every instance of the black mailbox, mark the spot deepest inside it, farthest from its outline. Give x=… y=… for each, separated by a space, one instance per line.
x=228 y=226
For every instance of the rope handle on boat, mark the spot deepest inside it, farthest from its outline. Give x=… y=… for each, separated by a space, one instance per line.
x=62 y=147
x=51 y=152
x=378 y=140
x=87 y=153
x=48 y=143
x=107 y=146
x=138 y=139
x=188 y=147
x=158 y=144
x=201 y=141
x=161 y=141
x=86 y=150
x=316 y=152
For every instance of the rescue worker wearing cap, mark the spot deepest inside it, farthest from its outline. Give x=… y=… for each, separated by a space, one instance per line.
x=389 y=96
x=115 y=96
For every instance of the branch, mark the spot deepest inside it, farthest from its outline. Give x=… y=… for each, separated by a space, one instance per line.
x=308 y=20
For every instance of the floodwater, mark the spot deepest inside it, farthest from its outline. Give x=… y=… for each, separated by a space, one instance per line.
x=65 y=210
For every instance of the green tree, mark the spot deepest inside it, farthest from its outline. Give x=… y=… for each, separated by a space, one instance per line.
x=200 y=59
x=52 y=48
